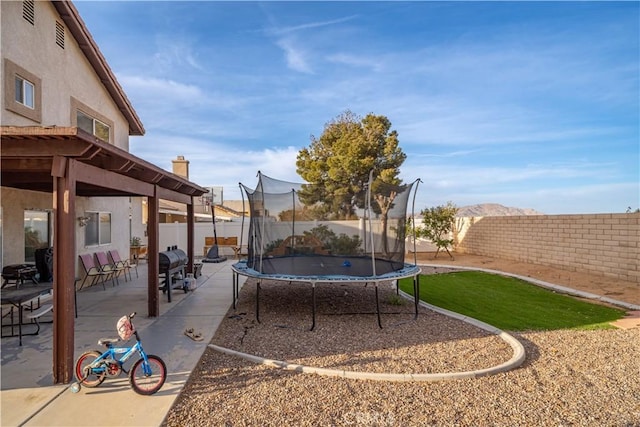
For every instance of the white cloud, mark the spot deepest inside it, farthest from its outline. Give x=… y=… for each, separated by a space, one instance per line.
x=214 y=163
x=295 y=57
x=359 y=61
x=285 y=38
x=309 y=25
x=167 y=89
x=174 y=54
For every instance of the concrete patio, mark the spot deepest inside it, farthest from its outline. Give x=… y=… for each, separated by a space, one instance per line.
x=29 y=396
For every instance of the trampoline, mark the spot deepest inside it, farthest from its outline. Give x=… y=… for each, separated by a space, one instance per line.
x=292 y=238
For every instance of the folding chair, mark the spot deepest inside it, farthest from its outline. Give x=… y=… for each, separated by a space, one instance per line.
x=126 y=264
x=93 y=271
x=107 y=267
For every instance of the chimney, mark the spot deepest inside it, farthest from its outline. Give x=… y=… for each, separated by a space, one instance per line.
x=181 y=167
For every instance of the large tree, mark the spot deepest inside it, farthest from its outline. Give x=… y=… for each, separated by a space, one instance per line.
x=340 y=162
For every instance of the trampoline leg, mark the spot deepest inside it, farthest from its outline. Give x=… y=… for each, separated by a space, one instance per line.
x=258 y=302
x=234 y=284
x=378 y=307
x=313 y=306
x=416 y=294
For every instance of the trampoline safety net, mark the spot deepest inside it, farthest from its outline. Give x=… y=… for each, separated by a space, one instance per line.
x=298 y=229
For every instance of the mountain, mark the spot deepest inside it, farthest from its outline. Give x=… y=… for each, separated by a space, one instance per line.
x=494 y=209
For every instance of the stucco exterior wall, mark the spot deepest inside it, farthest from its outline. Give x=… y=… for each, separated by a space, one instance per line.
x=606 y=244
x=15 y=202
x=65 y=73
x=67 y=80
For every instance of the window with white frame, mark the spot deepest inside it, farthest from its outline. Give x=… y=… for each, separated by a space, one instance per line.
x=98 y=229
x=22 y=91
x=93 y=126
x=25 y=92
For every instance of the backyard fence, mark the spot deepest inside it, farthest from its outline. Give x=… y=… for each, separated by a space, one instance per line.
x=605 y=244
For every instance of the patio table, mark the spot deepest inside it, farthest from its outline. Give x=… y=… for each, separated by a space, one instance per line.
x=17 y=297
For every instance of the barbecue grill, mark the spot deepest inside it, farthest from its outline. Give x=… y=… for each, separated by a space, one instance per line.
x=172 y=262
x=19 y=273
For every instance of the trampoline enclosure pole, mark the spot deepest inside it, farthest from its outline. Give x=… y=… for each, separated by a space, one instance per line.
x=368 y=213
x=293 y=220
x=242 y=226
x=413 y=222
x=264 y=215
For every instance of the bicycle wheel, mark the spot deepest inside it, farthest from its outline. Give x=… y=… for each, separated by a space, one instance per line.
x=148 y=384
x=83 y=372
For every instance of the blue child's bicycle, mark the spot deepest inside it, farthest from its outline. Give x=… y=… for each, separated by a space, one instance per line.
x=146 y=375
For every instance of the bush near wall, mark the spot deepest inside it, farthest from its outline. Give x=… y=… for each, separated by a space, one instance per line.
x=606 y=244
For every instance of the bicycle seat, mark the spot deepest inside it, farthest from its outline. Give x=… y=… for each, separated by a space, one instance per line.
x=108 y=341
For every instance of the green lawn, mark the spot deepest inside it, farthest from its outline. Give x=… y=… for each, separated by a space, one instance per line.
x=509 y=303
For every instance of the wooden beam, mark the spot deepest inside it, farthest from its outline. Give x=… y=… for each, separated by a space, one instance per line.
x=29 y=164
x=58 y=166
x=35 y=148
x=174 y=196
x=107 y=179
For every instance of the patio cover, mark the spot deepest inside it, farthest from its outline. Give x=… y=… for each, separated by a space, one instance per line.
x=69 y=162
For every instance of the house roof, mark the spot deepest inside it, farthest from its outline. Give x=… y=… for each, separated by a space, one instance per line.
x=78 y=29
x=29 y=156
x=229 y=212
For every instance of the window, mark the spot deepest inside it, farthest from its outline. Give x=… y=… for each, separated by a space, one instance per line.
x=37 y=232
x=93 y=126
x=25 y=92
x=98 y=229
x=59 y=34
x=22 y=91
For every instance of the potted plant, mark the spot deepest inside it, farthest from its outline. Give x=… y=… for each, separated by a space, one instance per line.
x=135 y=242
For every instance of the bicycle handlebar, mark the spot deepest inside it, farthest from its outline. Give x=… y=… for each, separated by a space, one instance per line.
x=132 y=315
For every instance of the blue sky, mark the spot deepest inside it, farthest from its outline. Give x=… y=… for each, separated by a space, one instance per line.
x=526 y=104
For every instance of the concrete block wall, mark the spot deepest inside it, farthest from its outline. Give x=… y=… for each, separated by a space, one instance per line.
x=607 y=244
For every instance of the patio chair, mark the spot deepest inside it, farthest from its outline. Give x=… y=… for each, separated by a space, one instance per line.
x=106 y=266
x=93 y=271
x=126 y=264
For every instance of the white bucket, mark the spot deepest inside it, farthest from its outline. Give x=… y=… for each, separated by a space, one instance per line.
x=190 y=282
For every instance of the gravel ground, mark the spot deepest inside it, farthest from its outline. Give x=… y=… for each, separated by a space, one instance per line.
x=569 y=378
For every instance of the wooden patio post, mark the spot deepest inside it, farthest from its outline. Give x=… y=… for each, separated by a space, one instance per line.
x=64 y=265
x=153 y=231
x=190 y=236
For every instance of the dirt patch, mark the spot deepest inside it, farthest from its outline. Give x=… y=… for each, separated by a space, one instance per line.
x=616 y=289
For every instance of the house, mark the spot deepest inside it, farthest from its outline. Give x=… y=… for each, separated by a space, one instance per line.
x=66 y=172
x=172 y=212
